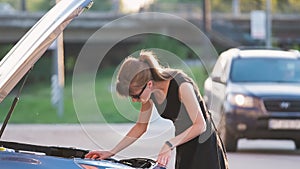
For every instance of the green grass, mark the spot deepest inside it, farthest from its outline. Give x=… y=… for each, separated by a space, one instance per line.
x=35 y=105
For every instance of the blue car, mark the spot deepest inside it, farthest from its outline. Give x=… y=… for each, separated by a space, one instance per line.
x=58 y=158
x=14 y=66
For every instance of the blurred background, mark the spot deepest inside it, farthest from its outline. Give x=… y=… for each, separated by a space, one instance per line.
x=227 y=23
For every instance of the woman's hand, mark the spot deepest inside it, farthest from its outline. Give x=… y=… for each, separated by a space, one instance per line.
x=101 y=155
x=164 y=155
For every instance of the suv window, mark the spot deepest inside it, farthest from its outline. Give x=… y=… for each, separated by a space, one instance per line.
x=265 y=70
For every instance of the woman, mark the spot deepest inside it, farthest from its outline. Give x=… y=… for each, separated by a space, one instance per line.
x=177 y=98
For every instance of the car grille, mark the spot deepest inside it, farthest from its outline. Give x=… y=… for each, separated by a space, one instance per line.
x=282 y=105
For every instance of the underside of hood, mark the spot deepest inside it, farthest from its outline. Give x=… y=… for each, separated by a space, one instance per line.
x=36 y=41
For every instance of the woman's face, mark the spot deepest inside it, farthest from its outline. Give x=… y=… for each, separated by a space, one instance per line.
x=140 y=95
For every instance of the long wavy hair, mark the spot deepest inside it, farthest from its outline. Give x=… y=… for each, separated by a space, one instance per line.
x=134 y=73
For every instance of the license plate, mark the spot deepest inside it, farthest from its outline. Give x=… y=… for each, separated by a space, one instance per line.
x=278 y=124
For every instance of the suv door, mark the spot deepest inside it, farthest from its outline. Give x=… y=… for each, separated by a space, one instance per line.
x=215 y=94
x=217 y=81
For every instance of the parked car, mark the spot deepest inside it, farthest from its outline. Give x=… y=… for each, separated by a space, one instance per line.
x=13 y=67
x=255 y=94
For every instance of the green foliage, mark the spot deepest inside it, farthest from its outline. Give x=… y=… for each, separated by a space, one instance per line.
x=42 y=70
x=35 y=103
x=16 y=4
x=278 y=6
x=4 y=49
x=103 y=5
x=31 y=5
x=176 y=1
x=287 y=6
x=199 y=76
x=69 y=64
x=221 y=5
x=39 y=5
x=296 y=47
x=246 y=6
x=45 y=5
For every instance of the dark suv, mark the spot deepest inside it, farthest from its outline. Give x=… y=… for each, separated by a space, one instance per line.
x=255 y=93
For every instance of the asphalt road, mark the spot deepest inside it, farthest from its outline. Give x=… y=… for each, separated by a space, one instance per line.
x=258 y=154
x=265 y=154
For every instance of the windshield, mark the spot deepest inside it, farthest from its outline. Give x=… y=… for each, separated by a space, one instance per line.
x=265 y=70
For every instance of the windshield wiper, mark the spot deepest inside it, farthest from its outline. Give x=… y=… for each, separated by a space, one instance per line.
x=13 y=105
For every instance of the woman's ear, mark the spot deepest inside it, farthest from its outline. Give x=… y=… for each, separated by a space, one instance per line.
x=150 y=83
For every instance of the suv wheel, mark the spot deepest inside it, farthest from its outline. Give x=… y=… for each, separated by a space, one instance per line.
x=229 y=140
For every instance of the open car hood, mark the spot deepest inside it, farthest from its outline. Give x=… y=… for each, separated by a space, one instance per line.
x=36 y=41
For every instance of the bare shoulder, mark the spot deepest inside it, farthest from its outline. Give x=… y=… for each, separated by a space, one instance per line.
x=185 y=87
x=186 y=90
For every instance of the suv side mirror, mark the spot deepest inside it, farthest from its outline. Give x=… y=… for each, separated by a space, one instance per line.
x=218 y=79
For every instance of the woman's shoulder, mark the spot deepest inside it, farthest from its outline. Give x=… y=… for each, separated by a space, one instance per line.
x=181 y=77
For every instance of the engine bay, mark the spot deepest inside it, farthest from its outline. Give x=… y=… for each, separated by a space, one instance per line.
x=69 y=153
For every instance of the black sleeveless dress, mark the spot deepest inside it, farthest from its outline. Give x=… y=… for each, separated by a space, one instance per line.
x=202 y=152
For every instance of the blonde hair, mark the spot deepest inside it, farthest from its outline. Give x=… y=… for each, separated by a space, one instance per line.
x=134 y=73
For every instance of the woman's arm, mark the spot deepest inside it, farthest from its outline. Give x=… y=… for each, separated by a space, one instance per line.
x=189 y=99
x=135 y=132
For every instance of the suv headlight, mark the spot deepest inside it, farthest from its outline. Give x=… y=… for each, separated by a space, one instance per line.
x=241 y=100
